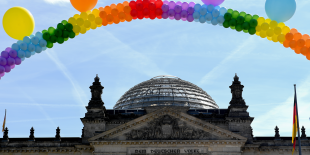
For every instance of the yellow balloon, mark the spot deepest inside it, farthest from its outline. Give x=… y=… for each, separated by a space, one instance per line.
x=18 y=22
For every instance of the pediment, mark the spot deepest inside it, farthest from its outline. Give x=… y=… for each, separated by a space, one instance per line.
x=167 y=123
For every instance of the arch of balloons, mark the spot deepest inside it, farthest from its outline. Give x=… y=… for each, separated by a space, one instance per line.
x=128 y=11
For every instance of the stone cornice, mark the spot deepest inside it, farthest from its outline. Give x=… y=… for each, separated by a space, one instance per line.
x=280 y=149
x=44 y=149
x=238 y=143
x=193 y=121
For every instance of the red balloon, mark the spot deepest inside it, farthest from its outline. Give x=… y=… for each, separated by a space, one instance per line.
x=139 y=7
x=159 y=3
x=152 y=15
x=158 y=12
x=140 y=15
x=146 y=12
x=134 y=13
x=145 y=3
x=152 y=7
x=132 y=5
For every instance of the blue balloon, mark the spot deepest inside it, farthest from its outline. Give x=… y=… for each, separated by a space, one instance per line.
x=38 y=49
x=31 y=36
x=215 y=13
x=209 y=17
x=202 y=19
x=44 y=48
x=223 y=10
x=23 y=46
x=32 y=53
x=196 y=15
x=280 y=10
x=209 y=22
x=217 y=7
x=39 y=35
x=197 y=7
x=196 y=20
x=15 y=46
x=210 y=8
x=19 y=42
x=27 y=54
x=214 y=21
x=203 y=11
x=21 y=54
x=204 y=6
x=31 y=47
x=23 y=58
x=26 y=40
x=220 y=19
x=42 y=43
x=35 y=40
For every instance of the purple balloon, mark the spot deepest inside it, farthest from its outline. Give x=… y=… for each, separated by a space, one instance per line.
x=4 y=54
x=166 y=2
x=13 y=53
x=184 y=14
x=177 y=16
x=178 y=9
x=190 y=10
x=12 y=66
x=3 y=61
x=2 y=69
x=8 y=49
x=11 y=61
x=213 y=2
x=190 y=18
x=171 y=5
x=171 y=13
x=184 y=6
x=165 y=15
x=184 y=19
x=165 y=8
x=191 y=4
x=178 y=3
x=7 y=68
x=2 y=74
x=18 y=61
x=171 y=18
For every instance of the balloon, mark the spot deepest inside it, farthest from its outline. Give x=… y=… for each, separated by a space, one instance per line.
x=197 y=7
x=171 y=13
x=183 y=14
x=202 y=19
x=15 y=47
x=190 y=18
x=177 y=16
x=208 y=17
x=3 y=61
x=190 y=10
x=171 y=5
x=280 y=10
x=220 y=19
x=213 y=2
x=165 y=8
x=35 y=40
x=239 y=27
x=177 y=9
x=11 y=61
x=203 y=11
x=13 y=53
x=4 y=54
x=12 y=66
x=42 y=43
x=26 y=40
x=23 y=58
x=215 y=13
x=23 y=46
x=184 y=6
x=178 y=3
x=33 y=53
x=19 y=42
x=83 y=5
x=31 y=47
x=223 y=10
x=214 y=21
x=7 y=68
x=165 y=15
x=21 y=54
x=210 y=8
x=2 y=69
x=27 y=54
x=18 y=22
x=191 y=4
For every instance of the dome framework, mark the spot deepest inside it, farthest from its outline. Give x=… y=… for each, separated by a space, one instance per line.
x=166 y=90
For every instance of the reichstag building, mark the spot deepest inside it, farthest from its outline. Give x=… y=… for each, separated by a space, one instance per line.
x=161 y=116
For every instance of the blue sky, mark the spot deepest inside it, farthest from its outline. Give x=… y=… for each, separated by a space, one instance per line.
x=51 y=89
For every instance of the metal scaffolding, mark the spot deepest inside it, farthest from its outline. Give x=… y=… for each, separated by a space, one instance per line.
x=165 y=90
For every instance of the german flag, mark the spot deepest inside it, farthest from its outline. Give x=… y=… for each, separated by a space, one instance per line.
x=295 y=123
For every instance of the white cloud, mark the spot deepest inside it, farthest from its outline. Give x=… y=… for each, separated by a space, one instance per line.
x=57 y=1
x=246 y=47
x=78 y=92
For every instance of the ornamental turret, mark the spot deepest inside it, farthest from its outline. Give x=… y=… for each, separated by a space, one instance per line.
x=236 y=91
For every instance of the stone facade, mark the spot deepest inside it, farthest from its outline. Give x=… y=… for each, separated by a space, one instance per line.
x=159 y=130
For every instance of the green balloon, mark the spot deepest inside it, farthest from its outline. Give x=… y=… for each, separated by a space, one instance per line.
x=230 y=10
x=245 y=31
x=255 y=17
x=235 y=14
x=253 y=23
x=252 y=30
x=232 y=27
x=72 y=34
x=49 y=44
x=239 y=27
x=66 y=39
x=60 y=26
x=242 y=14
x=233 y=22
x=245 y=26
x=46 y=36
x=53 y=39
x=248 y=18
x=44 y=31
x=60 y=40
x=69 y=27
x=58 y=32
x=51 y=30
x=64 y=22
x=65 y=34
x=240 y=20
x=227 y=16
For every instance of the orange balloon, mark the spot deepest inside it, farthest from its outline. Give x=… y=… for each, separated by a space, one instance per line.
x=297 y=50
x=289 y=36
x=125 y=3
x=120 y=7
x=286 y=44
x=304 y=51
x=305 y=36
x=297 y=36
x=110 y=18
x=121 y=16
x=308 y=56
x=114 y=12
x=293 y=30
x=308 y=42
x=104 y=22
x=127 y=9
x=292 y=44
x=101 y=9
x=103 y=14
x=128 y=18
x=301 y=43
x=113 y=6
x=83 y=5
x=107 y=9
x=116 y=20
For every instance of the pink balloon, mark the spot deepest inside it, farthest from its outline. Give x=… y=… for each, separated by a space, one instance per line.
x=213 y=2
x=2 y=74
x=12 y=66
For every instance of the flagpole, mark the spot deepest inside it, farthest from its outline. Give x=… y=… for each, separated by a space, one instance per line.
x=299 y=143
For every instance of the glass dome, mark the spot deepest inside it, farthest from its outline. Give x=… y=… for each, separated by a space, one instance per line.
x=165 y=90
